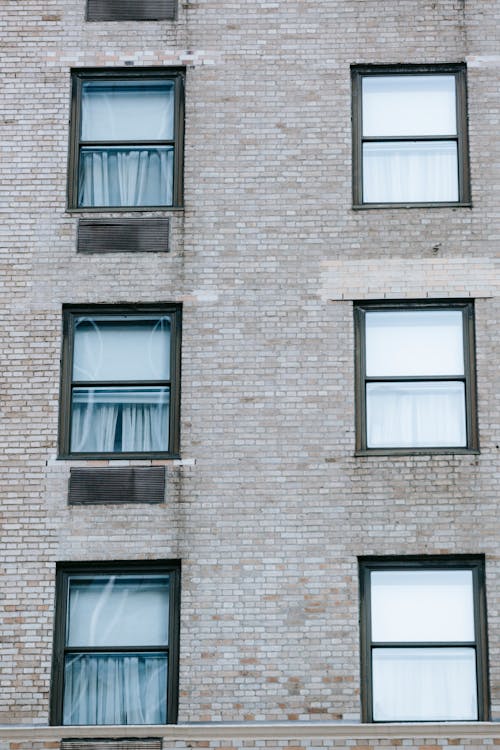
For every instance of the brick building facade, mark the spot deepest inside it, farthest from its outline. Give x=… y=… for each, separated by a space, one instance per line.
x=272 y=497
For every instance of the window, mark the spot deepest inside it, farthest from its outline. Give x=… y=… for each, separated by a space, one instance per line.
x=423 y=639
x=409 y=135
x=116 y=643
x=130 y=10
x=120 y=381
x=126 y=139
x=415 y=372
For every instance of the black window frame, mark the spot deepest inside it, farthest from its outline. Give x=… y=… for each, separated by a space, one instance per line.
x=70 y=314
x=474 y=563
x=459 y=71
x=469 y=377
x=78 y=77
x=64 y=571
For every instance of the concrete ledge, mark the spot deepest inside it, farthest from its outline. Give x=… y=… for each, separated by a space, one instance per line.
x=286 y=730
x=403 y=278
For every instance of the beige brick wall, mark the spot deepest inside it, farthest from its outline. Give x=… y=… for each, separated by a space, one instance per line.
x=268 y=507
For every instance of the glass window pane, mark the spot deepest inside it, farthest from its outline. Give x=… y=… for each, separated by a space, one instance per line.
x=114 y=420
x=119 y=176
x=127 y=110
x=410 y=172
x=122 y=349
x=415 y=415
x=422 y=605
x=429 y=684
x=409 y=105
x=115 y=689
x=414 y=342
x=113 y=610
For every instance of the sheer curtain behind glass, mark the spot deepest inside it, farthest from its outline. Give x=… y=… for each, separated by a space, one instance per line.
x=120 y=417
x=399 y=171
x=410 y=172
x=127 y=687
x=124 y=112
x=433 y=682
x=431 y=685
x=415 y=415
x=420 y=344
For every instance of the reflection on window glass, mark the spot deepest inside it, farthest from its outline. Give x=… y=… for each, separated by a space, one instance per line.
x=126 y=146
x=120 y=378
x=116 y=649
x=118 y=611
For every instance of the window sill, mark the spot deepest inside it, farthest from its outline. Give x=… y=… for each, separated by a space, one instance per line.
x=106 y=458
x=56 y=462
x=414 y=452
x=370 y=206
x=124 y=209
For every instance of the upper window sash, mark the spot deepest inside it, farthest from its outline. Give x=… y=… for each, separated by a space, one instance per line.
x=410 y=143
x=126 y=139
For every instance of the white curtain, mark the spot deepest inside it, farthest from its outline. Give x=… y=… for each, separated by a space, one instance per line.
x=145 y=428
x=126 y=177
x=400 y=172
x=115 y=689
x=93 y=428
x=415 y=415
x=424 y=684
x=96 y=419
